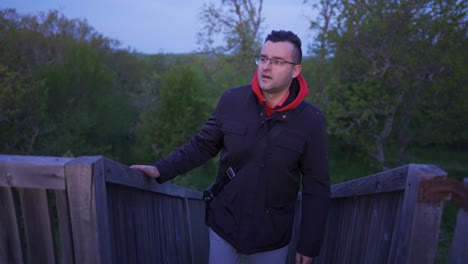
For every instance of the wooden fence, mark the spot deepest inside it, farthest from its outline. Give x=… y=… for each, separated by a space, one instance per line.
x=378 y=219
x=95 y=210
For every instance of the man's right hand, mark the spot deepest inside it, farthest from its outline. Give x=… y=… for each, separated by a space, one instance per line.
x=149 y=170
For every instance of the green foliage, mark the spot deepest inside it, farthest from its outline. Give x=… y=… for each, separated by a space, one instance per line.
x=392 y=81
x=183 y=107
x=367 y=75
x=21 y=111
x=319 y=73
x=66 y=100
x=86 y=114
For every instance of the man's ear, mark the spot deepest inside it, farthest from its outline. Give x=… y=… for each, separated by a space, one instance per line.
x=297 y=69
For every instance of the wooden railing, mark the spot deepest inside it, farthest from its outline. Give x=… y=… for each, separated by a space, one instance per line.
x=378 y=219
x=95 y=210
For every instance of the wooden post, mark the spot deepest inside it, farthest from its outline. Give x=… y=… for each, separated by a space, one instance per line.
x=86 y=188
x=418 y=225
x=459 y=248
x=188 y=217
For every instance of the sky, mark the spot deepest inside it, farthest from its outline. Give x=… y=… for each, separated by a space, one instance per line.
x=162 y=26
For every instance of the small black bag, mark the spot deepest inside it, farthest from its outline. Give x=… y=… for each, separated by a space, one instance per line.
x=214 y=189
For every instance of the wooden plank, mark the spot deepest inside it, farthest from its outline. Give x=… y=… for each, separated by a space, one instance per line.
x=387 y=181
x=10 y=246
x=100 y=194
x=37 y=226
x=395 y=233
x=118 y=222
x=32 y=172
x=188 y=217
x=88 y=211
x=382 y=225
x=341 y=243
x=459 y=248
x=419 y=224
x=361 y=227
x=121 y=174
x=66 y=241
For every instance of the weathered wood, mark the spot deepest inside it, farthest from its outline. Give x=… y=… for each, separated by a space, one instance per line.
x=88 y=210
x=109 y=213
x=66 y=241
x=189 y=227
x=382 y=225
x=387 y=181
x=459 y=248
x=37 y=225
x=10 y=246
x=417 y=234
x=149 y=227
x=32 y=172
x=123 y=175
x=359 y=229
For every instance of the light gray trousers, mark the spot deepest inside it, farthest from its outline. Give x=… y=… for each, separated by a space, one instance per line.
x=221 y=252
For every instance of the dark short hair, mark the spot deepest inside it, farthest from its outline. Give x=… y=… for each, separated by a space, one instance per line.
x=283 y=35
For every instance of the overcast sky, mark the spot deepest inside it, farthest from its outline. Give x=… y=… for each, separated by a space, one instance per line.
x=169 y=26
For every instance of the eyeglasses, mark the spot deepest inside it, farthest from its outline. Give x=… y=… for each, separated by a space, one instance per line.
x=262 y=60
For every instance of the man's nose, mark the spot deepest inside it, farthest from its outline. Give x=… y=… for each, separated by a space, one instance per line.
x=267 y=64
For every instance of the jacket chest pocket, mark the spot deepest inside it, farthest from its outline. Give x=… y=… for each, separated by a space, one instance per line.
x=234 y=135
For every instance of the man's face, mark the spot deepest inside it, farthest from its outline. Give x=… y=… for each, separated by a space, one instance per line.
x=277 y=78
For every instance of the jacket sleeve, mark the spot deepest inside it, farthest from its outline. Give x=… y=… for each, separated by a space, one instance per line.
x=315 y=189
x=203 y=146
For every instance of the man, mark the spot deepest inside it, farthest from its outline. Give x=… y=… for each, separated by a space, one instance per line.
x=271 y=142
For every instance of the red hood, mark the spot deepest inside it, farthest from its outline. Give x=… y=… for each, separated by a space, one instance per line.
x=302 y=94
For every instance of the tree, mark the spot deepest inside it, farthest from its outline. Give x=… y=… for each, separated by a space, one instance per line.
x=21 y=111
x=385 y=55
x=71 y=84
x=436 y=111
x=319 y=68
x=183 y=106
x=239 y=23
x=85 y=115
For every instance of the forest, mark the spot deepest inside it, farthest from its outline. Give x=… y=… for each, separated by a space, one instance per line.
x=390 y=76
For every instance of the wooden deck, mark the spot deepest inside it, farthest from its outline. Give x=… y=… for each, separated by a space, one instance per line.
x=95 y=210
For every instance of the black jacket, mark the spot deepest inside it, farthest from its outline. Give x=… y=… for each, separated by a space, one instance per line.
x=255 y=211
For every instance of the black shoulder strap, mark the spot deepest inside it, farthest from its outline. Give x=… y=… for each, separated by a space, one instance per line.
x=214 y=189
